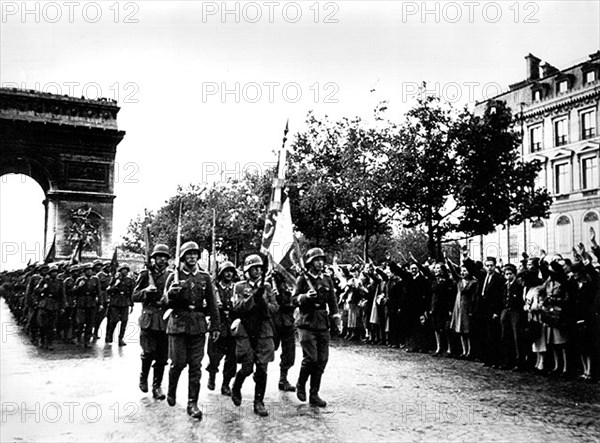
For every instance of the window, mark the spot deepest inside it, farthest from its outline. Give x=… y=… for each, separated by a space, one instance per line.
x=589 y=173
x=537 y=239
x=561 y=179
x=535 y=138
x=560 y=132
x=563 y=86
x=537 y=95
x=590 y=220
x=564 y=236
x=590 y=77
x=588 y=124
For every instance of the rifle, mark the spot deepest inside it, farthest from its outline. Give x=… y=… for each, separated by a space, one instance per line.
x=177 y=253
x=148 y=259
x=301 y=266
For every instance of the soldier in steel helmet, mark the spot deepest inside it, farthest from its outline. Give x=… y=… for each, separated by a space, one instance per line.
x=314 y=294
x=225 y=345
x=120 y=302
x=191 y=299
x=254 y=304
x=153 y=336
x=102 y=272
x=67 y=318
x=51 y=295
x=87 y=292
x=32 y=300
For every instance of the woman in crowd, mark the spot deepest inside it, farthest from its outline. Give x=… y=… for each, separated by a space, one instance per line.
x=460 y=322
x=442 y=301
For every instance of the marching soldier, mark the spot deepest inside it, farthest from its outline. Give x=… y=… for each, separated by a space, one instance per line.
x=87 y=293
x=51 y=295
x=314 y=293
x=67 y=317
x=253 y=303
x=153 y=336
x=187 y=326
x=285 y=333
x=31 y=301
x=102 y=271
x=120 y=303
x=225 y=345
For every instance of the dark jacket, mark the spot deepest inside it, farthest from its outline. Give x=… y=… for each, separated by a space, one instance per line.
x=313 y=310
x=191 y=304
x=152 y=307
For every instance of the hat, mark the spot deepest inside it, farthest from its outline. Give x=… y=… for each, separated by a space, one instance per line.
x=124 y=266
x=87 y=266
x=97 y=262
x=226 y=265
x=251 y=261
x=160 y=249
x=190 y=246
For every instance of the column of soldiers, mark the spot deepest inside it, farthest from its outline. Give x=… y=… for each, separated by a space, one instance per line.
x=69 y=302
x=246 y=319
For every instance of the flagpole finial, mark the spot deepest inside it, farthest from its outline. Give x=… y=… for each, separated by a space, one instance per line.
x=285 y=132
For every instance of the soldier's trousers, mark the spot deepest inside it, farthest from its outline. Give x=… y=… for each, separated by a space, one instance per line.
x=286 y=336
x=315 y=350
x=66 y=321
x=84 y=318
x=186 y=350
x=155 y=346
x=99 y=315
x=223 y=347
x=47 y=321
x=116 y=314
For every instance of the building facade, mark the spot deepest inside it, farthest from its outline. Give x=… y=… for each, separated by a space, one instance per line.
x=558 y=114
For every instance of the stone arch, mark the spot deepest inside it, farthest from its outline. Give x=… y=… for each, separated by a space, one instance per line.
x=68 y=146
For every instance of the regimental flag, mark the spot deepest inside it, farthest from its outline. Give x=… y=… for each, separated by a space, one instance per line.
x=51 y=255
x=278 y=235
x=114 y=262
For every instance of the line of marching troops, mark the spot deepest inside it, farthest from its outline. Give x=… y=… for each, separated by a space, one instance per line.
x=69 y=302
x=246 y=319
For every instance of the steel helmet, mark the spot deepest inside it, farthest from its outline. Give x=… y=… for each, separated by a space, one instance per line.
x=97 y=262
x=124 y=266
x=53 y=267
x=251 y=261
x=188 y=247
x=226 y=265
x=160 y=249
x=314 y=253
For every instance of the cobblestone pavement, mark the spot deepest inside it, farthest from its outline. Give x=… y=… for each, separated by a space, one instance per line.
x=374 y=394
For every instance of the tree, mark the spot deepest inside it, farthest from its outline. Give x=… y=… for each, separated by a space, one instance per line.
x=239 y=206
x=463 y=173
x=338 y=180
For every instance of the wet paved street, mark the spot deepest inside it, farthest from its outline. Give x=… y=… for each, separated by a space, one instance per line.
x=374 y=393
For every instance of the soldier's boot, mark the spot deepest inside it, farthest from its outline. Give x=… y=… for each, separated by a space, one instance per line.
x=236 y=390
x=259 y=394
x=284 y=384
x=122 y=334
x=225 y=389
x=172 y=390
x=211 y=381
x=157 y=391
x=144 y=374
x=315 y=385
x=301 y=385
x=192 y=406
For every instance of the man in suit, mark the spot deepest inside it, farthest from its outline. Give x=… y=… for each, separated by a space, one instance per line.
x=488 y=308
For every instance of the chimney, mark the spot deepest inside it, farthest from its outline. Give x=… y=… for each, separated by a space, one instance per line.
x=548 y=69
x=533 y=67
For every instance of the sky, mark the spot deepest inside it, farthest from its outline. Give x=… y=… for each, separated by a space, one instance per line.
x=205 y=88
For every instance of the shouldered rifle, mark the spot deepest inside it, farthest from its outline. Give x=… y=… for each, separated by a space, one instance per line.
x=148 y=259
x=177 y=253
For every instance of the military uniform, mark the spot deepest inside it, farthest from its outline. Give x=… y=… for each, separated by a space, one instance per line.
x=51 y=300
x=312 y=323
x=153 y=336
x=224 y=346
x=254 y=305
x=187 y=326
x=67 y=317
x=87 y=293
x=120 y=301
x=31 y=300
x=285 y=332
x=101 y=313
